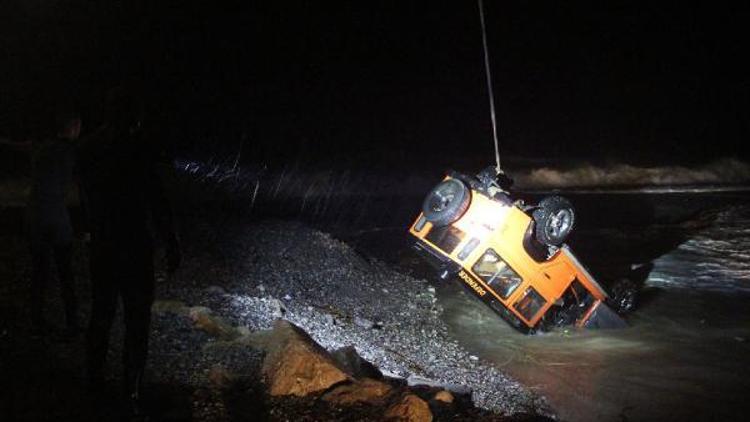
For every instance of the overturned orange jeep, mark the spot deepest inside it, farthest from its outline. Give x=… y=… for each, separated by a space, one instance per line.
x=512 y=256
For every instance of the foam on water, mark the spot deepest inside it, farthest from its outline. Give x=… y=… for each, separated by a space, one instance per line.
x=728 y=171
x=716 y=258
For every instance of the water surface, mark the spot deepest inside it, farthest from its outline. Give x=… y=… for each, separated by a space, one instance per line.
x=686 y=352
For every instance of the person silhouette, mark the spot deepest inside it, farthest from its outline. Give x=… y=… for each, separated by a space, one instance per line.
x=125 y=199
x=48 y=221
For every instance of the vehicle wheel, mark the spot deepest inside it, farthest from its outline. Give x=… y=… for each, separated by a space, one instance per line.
x=554 y=220
x=623 y=295
x=446 y=203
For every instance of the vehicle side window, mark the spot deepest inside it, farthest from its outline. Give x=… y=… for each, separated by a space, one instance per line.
x=530 y=303
x=497 y=273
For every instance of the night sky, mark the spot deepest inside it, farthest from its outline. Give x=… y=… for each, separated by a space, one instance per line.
x=641 y=83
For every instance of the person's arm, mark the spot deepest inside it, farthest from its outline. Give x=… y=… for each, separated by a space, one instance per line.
x=83 y=200
x=94 y=136
x=24 y=146
x=163 y=219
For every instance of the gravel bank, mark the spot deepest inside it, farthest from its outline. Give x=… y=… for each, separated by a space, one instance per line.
x=249 y=274
x=286 y=269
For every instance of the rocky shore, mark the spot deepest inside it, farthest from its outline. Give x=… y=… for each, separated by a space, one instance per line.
x=270 y=320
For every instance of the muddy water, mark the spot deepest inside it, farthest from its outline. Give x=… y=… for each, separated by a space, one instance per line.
x=685 y=356
x=686 y=353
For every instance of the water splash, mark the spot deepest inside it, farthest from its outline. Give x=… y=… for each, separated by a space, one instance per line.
x=715 y=258
x=720 y=172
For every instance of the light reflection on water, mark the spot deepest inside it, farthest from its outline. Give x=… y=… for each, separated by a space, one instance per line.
x=678 y=354
x=715 y=258
x=682 y=357
x=687 y=349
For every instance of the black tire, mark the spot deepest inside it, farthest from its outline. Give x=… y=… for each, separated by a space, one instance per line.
x=623 y=296
x=554 y=219
x=446 y=203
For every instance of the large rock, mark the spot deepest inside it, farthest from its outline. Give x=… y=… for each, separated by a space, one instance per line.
x=360 y=391
x=410 y=408
x=214 y=326
x=296 y=365
x=169 y=306
x=220 y=378
x=348 y=359
x=444 y=396
x=456 y=389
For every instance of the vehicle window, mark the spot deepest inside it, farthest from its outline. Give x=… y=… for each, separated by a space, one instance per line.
x=497 y=273
x=530 y=303
x=446 y=238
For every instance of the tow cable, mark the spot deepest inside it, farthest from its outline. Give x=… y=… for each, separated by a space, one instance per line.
x=498 y=169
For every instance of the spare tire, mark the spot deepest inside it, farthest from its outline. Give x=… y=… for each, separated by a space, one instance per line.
x=447 y=202
x=554 y=219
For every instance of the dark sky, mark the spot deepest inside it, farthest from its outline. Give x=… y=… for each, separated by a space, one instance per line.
x=601 y=80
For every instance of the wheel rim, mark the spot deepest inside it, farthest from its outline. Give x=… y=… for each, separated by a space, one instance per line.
x=442 y=197
x=559 y=223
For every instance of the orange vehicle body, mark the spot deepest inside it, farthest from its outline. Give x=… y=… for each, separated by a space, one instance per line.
x=486 y=249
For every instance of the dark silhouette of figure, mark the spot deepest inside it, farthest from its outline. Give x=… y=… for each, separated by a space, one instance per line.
x=48 y=221
x=125 y=199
